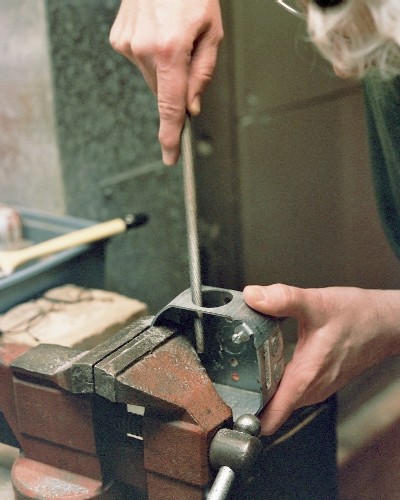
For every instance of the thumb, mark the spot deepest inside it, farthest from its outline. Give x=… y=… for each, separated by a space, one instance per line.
x=201 y=71
x=276 y=300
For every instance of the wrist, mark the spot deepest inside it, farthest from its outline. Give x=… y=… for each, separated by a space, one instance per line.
x=387 y=316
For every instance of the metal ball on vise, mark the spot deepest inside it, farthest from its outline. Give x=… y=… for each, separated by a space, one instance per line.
x=249 y=424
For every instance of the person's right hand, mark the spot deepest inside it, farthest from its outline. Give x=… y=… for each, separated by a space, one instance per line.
x=342 y=331
x=174 y=43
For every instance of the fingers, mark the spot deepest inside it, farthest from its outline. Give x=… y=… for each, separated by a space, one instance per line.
x=202 y=66
x=182 y=78
x=192 y=73
x=171 y=95
x=307 y=380
x=287 y=398
x=276 y=300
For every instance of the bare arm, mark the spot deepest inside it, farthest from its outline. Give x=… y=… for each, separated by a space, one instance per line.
x=341 y=332
x=174 y=43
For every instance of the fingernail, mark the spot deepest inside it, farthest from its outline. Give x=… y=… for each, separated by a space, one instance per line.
x=169 y=158
x=195 y=106
x=255 y=293
x=266 y=430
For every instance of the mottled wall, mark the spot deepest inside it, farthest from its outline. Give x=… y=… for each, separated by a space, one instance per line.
x=29 y=158
x=107 y=124
x=80 y=125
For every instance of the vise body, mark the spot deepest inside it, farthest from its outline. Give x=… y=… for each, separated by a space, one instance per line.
x=136 y=416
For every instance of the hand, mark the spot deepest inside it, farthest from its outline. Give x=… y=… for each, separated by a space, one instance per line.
x=341 y=332
x=174 y=43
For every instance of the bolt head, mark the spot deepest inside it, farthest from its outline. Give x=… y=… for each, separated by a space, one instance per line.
x=241 y=334
x=248 y=424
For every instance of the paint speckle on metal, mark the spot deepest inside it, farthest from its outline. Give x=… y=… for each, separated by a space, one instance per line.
x=35 y=480
x=57 y=487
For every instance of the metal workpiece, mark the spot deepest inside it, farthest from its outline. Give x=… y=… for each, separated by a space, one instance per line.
x=233 y=453
x=243 y=348
x=229 y=306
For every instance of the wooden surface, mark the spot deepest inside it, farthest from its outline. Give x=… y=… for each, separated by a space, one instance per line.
x=71 y=316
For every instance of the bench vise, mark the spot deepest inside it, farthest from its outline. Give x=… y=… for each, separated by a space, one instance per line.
x=141 y=415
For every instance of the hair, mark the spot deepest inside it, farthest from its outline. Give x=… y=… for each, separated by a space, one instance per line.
x=358 y=35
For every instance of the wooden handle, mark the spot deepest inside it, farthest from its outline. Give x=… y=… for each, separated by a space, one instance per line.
x=9 y=261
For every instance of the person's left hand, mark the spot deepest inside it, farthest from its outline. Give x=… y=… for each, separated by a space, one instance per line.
x=341 y=332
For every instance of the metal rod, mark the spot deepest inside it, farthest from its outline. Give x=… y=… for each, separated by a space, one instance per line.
x=191 y=223
x=222 y=484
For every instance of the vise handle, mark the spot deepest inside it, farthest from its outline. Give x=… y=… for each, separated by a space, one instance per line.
x=234 y=452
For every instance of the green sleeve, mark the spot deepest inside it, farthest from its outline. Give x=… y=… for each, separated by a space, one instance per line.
x=382 y=101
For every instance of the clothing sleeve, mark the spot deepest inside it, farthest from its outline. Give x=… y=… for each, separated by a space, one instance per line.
x=382 y=106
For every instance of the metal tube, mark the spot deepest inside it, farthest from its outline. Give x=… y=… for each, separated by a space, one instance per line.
x=191 y=223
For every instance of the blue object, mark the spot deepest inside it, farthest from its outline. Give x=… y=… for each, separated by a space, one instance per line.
x=82 y=265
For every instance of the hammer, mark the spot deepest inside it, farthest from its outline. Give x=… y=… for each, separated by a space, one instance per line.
x=11 y=259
